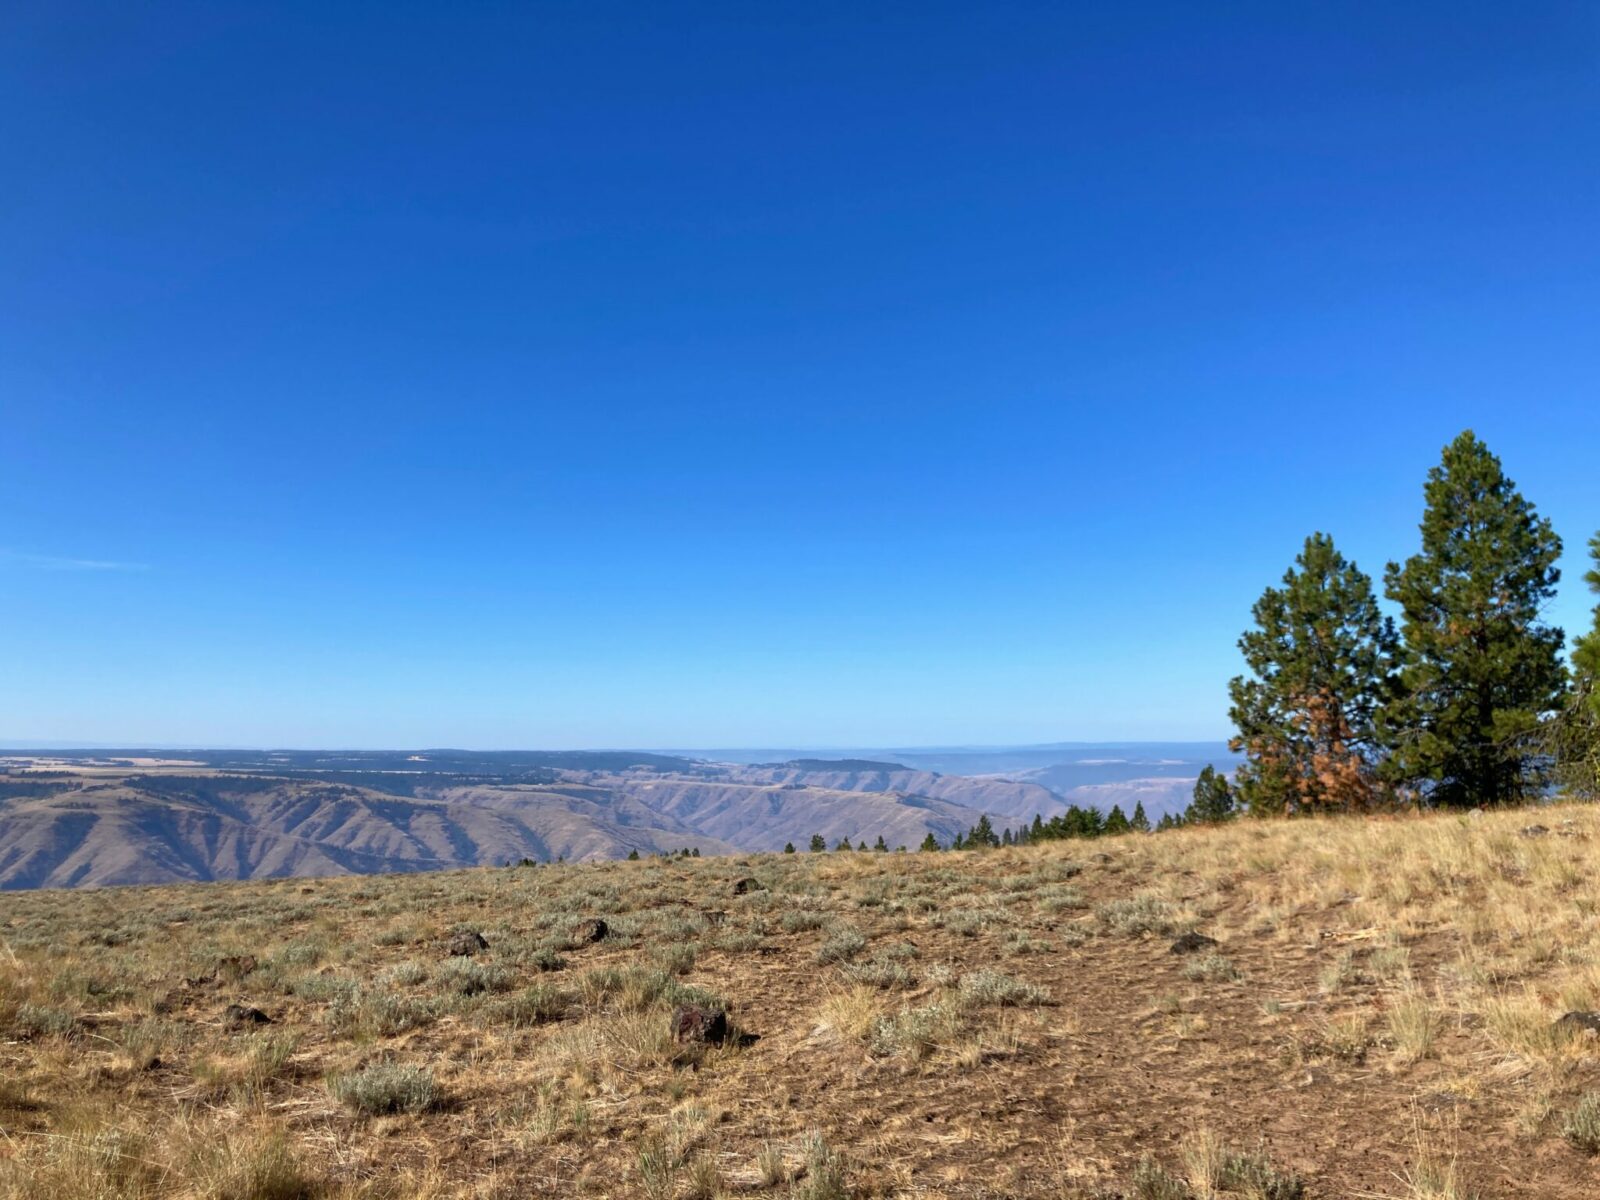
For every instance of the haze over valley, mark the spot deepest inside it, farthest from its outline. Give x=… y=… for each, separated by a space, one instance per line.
x=78 y=818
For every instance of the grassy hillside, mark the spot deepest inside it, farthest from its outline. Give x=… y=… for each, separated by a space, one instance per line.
x=1377 y=1018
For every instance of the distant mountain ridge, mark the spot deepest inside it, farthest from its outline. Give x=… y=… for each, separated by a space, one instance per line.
x=132 y=816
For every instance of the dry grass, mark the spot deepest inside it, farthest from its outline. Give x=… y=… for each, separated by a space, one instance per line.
x=956 y=1025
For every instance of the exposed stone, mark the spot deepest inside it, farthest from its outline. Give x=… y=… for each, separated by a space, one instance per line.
x=748 y=885
x=1191 y=942
x=242 y=1016
x=697 y=1025
x=1586 y=1023
x=587 y=933
x=465 y=944
x=1534 y=830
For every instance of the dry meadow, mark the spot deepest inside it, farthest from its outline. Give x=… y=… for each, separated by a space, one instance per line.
x=1378 y=1017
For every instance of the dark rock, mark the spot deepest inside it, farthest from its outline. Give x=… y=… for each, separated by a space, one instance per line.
x=242 y=1016
x=1191 y=942
x=465 y=944
x=1534 y=830
x=587 y=933
x=697 y=1025
x=1587 y=1023
x=747 y=885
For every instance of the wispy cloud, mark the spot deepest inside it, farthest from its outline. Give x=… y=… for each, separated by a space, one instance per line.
x=56 y=562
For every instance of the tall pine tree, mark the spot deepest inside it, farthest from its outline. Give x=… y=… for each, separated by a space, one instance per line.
x=1586 y=653
x=1481 y=670
x=1574 y=737
x=1321 y=659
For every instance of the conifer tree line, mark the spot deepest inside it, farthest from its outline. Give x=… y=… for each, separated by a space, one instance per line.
x=1463 y=702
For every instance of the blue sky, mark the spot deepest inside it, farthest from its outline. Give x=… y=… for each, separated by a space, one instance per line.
x=547 y=375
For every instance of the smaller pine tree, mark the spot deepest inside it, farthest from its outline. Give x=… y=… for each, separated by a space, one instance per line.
x=880 y=845
x=843 y=844
x=1213 y=799
x=1116 y=820
x=930 y=844
x=788 y=847
x=1139 y=821
x=633 y=856
x=817 y=844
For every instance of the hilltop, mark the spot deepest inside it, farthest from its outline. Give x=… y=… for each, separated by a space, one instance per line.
x=1376 y=1014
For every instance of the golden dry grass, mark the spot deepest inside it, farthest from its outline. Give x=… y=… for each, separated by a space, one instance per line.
x=1376 y=1020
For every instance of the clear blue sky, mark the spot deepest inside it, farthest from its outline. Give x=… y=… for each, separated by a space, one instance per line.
x=589 y=374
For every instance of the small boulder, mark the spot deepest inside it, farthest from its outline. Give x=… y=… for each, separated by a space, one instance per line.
x=242 y=1016
x=1534 y=830
x=465 y=944
x=697 y=1025
x=1586 y=1023
x=1190 y=943
x=747 y=885
x=587 y=933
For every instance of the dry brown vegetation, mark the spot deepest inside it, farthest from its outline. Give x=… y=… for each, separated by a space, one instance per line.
x=1377 y=1018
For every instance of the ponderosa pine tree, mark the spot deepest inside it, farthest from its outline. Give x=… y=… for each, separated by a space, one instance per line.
x=1213 y=801
x=1574 y=736
x=930 y=845
x=1480 y=668
x=1139 y=821
x=1586 y=652
x=1321 y=658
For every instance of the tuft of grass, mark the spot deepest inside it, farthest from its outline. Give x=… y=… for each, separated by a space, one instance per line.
x=824 y=1174
x=1213 y=968
x=387 y=1088
x=1413 y=1025
x=997 y=988
x=1135 y=915
x=1582 y=1126
x=842 y=944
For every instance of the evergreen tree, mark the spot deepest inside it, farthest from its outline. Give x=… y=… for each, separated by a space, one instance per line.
x=958 y=842
x=1038 y=828
x=982 y=835
x=880 y=845
x=1321 y=659
x=1573 y=740
x=817 y=844
x=1480 y=668
x=633 y=856
x=1166 y=822
x=1213 y=800
x=1586 y=652
x=788 y=847
x=1139 y=821
x=1116 y=820
x=930 y=844
x=843 y=844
